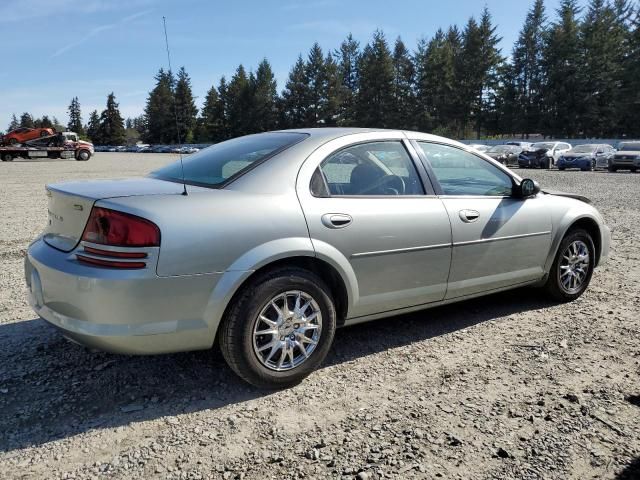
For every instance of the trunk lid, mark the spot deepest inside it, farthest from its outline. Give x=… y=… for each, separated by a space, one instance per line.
x=70 y=204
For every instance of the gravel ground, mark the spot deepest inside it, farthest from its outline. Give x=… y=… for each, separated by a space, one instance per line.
x=508 y=386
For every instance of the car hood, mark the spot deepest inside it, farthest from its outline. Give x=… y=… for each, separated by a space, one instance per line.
x=576 y=155
x=568 y=195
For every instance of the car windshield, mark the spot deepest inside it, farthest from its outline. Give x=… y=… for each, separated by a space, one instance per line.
x=584 y=148
x=542 y=145
x=500 y=149
x=629 y=147
x=214 y=166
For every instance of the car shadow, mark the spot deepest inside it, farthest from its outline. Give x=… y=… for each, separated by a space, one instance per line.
x=52 y=389
x=631 y=471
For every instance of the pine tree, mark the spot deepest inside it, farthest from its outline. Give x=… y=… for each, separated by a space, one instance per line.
x=295 y=97
x=56 y=125
x=332 y=112
x=265 y=92
x=159 y=111
x=26 y=120
x=44 y=122
x=13 y=124
x=111 y=127
x=562 y=66
x=348 y=57
x=631 y=80
x=375 y=91
x=185 y=106
x=315 y=74
x=211 y=122
x=436 y=82
x=403 y=114
x=93 y=128
x=527 y=72
x=489 y=64
x=75 y=117
x=239 y=103
x=601 y=72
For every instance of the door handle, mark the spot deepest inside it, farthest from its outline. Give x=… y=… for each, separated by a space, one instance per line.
x=336 y=220
x=469 y=216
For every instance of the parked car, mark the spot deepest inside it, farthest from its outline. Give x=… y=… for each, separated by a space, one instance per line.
x=23 y=134
x=505 y=154
x=586 y=157
x=519 y=144
x=626 y=158
x=542 y=154
x=269 y=242
x=479 y=147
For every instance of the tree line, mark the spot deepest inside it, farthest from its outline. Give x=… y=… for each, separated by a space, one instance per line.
x=577 y=75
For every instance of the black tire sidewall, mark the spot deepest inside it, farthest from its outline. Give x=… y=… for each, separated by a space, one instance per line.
x=239 y=328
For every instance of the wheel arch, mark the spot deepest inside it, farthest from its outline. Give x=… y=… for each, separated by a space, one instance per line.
x=584 y=221
x=300 y=255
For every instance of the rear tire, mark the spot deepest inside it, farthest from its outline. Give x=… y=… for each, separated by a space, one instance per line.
x=252 y=311
x=634 y=170
x=572 y=268
x=612 y=169
x=7 y=157
x=560 y=168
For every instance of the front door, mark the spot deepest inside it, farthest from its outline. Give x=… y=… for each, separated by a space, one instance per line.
x=498 y=240
x=368 y=202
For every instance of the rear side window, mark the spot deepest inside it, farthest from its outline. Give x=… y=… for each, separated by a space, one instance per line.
x=220 y=163
x=368 y=169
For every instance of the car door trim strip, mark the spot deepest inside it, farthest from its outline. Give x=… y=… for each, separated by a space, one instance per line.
x=400 y=250
x=497 y=239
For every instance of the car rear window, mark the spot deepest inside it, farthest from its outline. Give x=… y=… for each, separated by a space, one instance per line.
x=217 y=165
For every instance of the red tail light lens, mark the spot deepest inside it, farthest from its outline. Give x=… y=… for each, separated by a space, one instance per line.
x=110 y=227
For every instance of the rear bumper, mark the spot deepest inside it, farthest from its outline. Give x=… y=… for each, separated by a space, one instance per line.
x=119 y=311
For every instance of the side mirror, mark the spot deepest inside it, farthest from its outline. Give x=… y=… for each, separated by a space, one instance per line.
x=527 y=188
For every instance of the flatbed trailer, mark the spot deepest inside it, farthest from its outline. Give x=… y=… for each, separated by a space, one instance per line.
x=60 y=145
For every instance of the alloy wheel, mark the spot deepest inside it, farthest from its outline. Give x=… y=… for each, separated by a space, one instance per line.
x=287 y=330
x=573 y=268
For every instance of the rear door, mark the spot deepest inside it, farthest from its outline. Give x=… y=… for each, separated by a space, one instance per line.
x=368 y=207
x=498 y=240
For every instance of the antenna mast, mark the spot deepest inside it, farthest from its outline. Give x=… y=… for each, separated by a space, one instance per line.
x=175 y=108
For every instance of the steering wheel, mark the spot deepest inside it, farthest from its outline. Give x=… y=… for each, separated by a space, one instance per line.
x=388 y=179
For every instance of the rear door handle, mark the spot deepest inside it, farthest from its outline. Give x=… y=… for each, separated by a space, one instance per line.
x=336 y=220
x=468 y=216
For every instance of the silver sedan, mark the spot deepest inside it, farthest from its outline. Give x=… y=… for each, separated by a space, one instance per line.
x=267 y=243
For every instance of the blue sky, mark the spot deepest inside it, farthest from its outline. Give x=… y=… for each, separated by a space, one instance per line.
x=54 y=50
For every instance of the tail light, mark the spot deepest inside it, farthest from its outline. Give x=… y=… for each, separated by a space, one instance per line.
x=117 y=229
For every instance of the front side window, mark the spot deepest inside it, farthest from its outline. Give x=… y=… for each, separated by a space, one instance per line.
x=215 y=165
x=462 y=173
x=376 y=168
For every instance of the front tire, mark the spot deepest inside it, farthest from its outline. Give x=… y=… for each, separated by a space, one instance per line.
x=83 y=155
x=279 y=328
x=7 y=157
x=572 y=268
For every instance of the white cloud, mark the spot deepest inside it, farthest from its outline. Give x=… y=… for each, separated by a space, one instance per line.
x=21 y=10
x=97 y=30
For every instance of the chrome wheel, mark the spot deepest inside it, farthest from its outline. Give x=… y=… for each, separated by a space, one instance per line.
x=287 y=330
x=573 y=268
